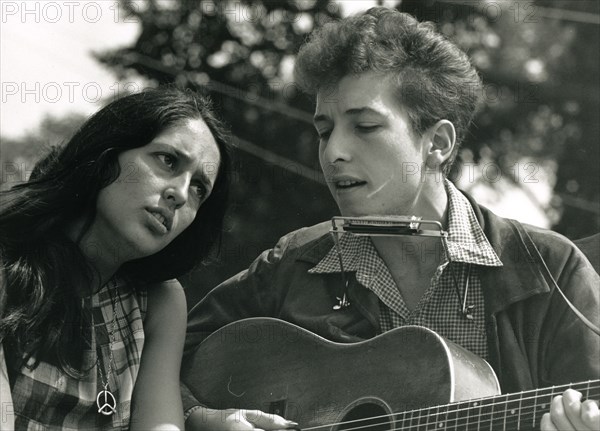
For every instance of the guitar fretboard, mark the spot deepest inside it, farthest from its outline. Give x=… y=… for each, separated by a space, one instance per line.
x=518 y=411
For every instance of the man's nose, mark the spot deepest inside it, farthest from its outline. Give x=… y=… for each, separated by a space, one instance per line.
x=337 y=148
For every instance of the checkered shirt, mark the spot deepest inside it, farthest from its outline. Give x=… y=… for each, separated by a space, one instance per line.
x=440 y=307
x=47 y=398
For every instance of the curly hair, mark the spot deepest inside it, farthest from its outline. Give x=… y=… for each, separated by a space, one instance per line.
x=433 y=78
x=43 y=269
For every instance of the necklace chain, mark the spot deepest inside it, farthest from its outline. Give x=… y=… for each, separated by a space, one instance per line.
x=105 y=396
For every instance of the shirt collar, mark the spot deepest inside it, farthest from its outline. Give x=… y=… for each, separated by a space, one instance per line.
x=466 y=241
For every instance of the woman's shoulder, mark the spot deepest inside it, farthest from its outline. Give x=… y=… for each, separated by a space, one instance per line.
x=167 y=305
x=168 y=293
x=167 y=289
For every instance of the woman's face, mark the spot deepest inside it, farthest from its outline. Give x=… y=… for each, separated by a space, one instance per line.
x=158 y=192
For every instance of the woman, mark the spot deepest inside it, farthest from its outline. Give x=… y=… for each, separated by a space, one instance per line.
x=91 y=326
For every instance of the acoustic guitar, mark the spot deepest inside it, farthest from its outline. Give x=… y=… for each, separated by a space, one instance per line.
x=409 y=378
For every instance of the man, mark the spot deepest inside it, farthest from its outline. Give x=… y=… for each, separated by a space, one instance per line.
x=590 y=246
x=394 y=100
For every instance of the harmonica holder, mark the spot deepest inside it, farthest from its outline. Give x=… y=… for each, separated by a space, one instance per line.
x=373 y=226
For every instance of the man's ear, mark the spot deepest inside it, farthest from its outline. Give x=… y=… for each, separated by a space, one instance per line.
x=442 y=138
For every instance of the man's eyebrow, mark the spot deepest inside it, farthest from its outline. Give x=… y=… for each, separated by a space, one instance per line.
x=352 y=111
x=362 y=110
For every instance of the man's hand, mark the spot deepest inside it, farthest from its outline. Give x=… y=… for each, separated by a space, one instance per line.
x=236 y=420
x=567 y=413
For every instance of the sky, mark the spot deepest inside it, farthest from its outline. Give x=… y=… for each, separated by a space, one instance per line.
x=47 y=68
x=46 y=63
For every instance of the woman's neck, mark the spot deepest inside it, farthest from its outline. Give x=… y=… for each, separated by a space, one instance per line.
x=101 y=255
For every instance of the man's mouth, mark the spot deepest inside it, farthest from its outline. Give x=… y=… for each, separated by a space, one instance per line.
x=348 y=184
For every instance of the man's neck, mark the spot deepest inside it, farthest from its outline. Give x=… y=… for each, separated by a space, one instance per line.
x=410 y=252
x=431 y=203
x=413 y=260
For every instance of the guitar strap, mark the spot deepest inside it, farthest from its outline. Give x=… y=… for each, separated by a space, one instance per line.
x=536 y=257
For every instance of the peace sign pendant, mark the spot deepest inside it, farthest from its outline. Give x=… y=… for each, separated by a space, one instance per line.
x=106 y=402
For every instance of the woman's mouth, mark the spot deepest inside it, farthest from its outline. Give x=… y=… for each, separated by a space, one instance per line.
x=161 y=218
x=158 y=222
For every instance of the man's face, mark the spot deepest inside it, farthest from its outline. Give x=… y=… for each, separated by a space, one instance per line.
x=370 y=157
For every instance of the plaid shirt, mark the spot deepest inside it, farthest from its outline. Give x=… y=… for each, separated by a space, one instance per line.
x=440 y=307
x=47 y=398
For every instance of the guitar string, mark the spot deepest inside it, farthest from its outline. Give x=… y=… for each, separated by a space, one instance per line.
x=450 y=424
x=525 y=411
x=447 y=424
x=524 y=417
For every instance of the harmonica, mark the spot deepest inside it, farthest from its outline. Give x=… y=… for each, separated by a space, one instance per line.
x=387 y=226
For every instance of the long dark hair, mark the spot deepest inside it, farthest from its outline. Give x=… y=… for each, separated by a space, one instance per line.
x=40 y=311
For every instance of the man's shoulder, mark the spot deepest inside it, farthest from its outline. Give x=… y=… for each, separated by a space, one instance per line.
x=306 y=238
x=503 y=229
x=308 y=243
x=590 y=246
x=547 y=237
x=511 y=238
x=309 y=233
x=556 y=250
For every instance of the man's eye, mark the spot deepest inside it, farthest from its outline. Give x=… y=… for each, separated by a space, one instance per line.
x=167 y=160
x=366 y=127
x=324 y=135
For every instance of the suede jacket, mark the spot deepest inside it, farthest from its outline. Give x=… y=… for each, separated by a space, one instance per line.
x=534 y=338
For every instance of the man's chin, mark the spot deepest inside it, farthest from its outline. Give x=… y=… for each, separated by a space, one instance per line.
x=350 y=211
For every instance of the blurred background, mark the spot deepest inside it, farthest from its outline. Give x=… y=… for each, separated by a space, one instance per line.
x=532 y=155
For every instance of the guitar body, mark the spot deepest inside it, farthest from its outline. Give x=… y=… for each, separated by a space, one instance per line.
x=277 y=367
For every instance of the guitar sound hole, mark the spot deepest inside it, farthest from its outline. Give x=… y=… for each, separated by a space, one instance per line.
x=368 y=417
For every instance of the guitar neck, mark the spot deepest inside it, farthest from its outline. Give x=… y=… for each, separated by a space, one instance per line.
x=518 y=411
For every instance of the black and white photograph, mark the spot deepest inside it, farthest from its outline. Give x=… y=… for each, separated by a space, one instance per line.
x=317 y=215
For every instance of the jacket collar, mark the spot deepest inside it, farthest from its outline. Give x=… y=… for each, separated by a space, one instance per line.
x=316 y=250
x=519 y=277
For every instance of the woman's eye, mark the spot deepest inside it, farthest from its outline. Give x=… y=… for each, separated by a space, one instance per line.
x=200 y=190
x=167 y=160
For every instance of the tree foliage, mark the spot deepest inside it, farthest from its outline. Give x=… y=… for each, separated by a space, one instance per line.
x=542 y=95
x=240 y=53
x=540 y=69
x=541 y=100
x=19 y=155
